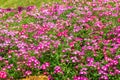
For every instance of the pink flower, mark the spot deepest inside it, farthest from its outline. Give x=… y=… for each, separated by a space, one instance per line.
x=90 y=60
x=103 y=77
x=25 y=26
x=30 y=8
x=64 y=33
x=1 y=58
x=58 y=69
x=77 y=28
x=45 y=65
x=80 y=78
x=71 y=44
x=3 y=74
x=28 y=72
x=105 y=68
x=99 y=24
x=33 y=62
x=109 y=6
x=119 y=20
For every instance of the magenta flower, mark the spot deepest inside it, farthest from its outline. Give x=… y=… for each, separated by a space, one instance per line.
x=45 y=65
x=99 y=24
x=28 y=73
x=3 y=74
x=33 y=62
x=90 y=60
x=1 y=58
x=119 y=20
x=80 y=78
x=105 y=68
x=30 y=8
x=104 y=77
x=58 y=69
x=64 y=33
x=20 y=9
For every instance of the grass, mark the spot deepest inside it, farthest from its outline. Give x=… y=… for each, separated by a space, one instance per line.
x=16 y=3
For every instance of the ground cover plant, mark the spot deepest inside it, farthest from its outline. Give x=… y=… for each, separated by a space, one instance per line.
x=71 y=40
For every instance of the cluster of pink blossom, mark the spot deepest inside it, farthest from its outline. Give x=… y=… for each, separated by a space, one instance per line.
x=3 y=75
x=58 y=69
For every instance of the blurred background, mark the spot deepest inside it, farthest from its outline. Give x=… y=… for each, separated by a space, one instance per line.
x=23 y=3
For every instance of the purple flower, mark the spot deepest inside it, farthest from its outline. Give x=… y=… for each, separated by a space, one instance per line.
x=104 y=77
x=45 y=65
x=80 y=78
x=58 y=69
x=20 y=9
x=33 y=62
x=90 y=60
x=8 y=9
x=74 y=59
x=28 y=73
x=30 y=8
x=105 y=68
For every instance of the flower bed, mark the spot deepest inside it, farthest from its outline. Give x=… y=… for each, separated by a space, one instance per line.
x=77 y=40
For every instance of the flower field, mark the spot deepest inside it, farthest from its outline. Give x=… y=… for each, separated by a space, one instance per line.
x=69 y=40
